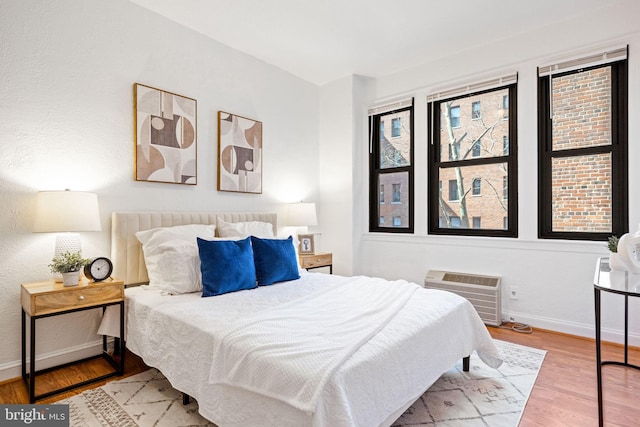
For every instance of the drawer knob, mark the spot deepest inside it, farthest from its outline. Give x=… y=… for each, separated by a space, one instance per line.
x=81 y=298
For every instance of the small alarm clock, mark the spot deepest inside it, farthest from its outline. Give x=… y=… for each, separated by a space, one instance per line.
x=98 y=269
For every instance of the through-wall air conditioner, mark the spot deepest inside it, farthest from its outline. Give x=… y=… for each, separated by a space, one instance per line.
x=482 y=291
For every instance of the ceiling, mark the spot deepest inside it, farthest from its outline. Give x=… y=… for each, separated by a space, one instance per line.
x=324 y=40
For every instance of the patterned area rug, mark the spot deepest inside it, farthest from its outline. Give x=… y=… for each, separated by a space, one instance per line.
x=481 y=397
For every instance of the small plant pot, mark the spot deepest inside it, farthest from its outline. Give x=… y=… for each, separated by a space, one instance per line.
x=70 y=279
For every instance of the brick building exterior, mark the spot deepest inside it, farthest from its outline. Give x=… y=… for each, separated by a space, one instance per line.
x=479 y=126
x=581 y=185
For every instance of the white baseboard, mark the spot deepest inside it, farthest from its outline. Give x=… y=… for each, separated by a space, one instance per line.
x=571 y=328
x=13 y=370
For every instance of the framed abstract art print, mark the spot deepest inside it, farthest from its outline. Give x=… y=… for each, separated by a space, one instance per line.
x=165 y=136
x=239 y=154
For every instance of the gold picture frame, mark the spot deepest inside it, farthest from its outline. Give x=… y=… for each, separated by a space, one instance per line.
x=239 y=154
x=306 y=245
x=165 y=136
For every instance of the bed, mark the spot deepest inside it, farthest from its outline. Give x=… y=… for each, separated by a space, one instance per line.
x=194 y=341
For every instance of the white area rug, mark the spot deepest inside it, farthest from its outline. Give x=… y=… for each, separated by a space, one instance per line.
x=481 y=397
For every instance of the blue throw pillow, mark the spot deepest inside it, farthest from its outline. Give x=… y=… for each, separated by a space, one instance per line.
x=226 y=265
x=275 y=260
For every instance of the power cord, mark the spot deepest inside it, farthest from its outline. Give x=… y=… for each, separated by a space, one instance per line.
x=523 y=328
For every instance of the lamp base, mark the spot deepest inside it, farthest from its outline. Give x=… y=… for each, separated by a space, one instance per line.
x=66 y=242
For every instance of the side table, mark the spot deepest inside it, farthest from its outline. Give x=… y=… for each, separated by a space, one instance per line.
x=48 y=298
x=311 y=261
x=621 y=283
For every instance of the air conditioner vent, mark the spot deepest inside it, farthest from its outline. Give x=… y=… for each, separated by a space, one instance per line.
x=471 y=279
x=483 y=292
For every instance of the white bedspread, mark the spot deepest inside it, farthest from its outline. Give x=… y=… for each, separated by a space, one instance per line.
x=289 y=352
x=429 y=335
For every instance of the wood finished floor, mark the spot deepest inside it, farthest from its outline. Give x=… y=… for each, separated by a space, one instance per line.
x=564 y=393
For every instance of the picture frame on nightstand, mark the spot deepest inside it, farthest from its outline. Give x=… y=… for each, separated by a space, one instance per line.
x=307 y=244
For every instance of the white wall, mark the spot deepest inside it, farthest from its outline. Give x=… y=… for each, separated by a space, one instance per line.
x=341 y=138
x=66 y=89
x=554 y=277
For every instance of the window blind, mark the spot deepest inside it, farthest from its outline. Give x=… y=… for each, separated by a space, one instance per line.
x=599 y=58
x=473 y=87
x=390 y=106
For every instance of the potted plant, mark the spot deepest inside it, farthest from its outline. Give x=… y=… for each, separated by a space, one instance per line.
x=69 y=265
x=615 y=263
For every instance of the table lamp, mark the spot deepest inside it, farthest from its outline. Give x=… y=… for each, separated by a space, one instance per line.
x=67 y=213
x=302 y=215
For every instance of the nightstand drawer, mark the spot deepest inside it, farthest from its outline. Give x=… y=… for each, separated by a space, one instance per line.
x=37 y=301
x=318 y=260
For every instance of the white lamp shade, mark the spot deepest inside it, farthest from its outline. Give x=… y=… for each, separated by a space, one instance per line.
x=302 y=214
x=66 y=211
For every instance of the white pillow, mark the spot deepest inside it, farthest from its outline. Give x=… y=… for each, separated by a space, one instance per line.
x=244 y=229
x=171 y=256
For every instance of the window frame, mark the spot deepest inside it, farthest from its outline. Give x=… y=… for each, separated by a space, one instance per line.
x=457 y=117
x=375 y=172
x=435 y=163
x=476 y=113
x=618 y=149
x=396 y=193
x=477 y=181
x=396 y=130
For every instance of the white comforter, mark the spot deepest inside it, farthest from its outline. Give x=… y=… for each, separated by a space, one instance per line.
x=430 y=334
x=289 y=352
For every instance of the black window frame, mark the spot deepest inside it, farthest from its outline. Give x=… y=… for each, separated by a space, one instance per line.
x=375 y=171
x=618 y=149
x=435 y=163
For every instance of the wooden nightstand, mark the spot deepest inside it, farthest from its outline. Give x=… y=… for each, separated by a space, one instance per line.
x=317 y=261
x=48 y=298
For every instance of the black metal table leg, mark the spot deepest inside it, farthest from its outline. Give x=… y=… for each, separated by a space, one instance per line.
x=121 y=339
x=32 y=361
x=598 y=357
x=24 y=347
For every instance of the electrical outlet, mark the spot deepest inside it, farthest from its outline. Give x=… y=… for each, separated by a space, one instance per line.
x=513 y=292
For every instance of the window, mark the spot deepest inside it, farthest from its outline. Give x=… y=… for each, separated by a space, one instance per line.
x=391 y=167
x=469 y=156
x=476 y=187
x=583 y=152
x=396 y=127
x=475 y=110
x=453 y=190
x=396 y=196
x=505 y=188
x=454 y=114
x=476 y=150
x=505 y=106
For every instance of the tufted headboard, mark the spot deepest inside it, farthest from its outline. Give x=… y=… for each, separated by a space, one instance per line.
x=126 y=250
